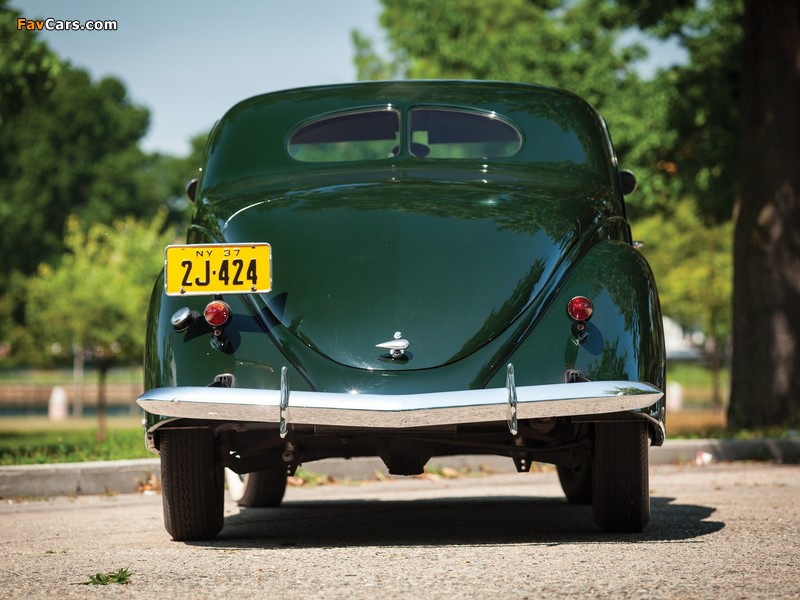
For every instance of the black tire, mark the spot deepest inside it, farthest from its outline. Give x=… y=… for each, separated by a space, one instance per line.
x=620 y=491
x=192 y=484
x=577 y=482
x=265 y=488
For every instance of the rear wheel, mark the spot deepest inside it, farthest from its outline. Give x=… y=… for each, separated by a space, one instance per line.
x=577 y=482
x=192 y=484
x=620 y=490
x=260 y=489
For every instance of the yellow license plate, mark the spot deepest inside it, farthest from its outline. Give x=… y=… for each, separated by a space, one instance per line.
x=217 y=269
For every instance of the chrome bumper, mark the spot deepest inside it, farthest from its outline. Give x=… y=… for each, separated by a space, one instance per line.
x=400 y=411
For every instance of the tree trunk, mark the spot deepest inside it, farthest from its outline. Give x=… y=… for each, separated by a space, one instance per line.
x=101 y=401
x=765 y=388
x=78 y=361
x=716 y=388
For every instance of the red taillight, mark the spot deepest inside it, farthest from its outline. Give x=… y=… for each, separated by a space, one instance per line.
x=580 y=309
x=217 y=313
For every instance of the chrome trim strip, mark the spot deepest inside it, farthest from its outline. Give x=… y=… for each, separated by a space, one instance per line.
x=399 y=411
x=511 y=389
x=284 y=405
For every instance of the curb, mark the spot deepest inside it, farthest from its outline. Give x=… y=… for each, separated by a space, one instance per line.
x=71 y=479
x=130 y=476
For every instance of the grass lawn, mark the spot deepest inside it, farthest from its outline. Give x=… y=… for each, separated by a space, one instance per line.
x=125 y=375
x=35 y=440
x=693 y=374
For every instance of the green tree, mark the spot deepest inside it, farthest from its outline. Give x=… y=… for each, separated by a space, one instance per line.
x=166 y=177
x=94 y=301
x=70 y=145
x=73 y=152
x=27 y=66
x=743 y=150
x=693 y=265
x=575 y=45
x=700 y=99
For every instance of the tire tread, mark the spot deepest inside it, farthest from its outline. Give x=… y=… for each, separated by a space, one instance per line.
x=192 y=488
x=621 y=494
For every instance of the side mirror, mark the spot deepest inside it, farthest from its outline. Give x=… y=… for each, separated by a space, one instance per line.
x=191 y=189
x=628 y=182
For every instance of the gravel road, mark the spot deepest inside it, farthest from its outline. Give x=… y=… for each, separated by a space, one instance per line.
x=718 y=531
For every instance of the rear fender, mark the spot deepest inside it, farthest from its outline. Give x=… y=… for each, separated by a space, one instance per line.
x=625 y=336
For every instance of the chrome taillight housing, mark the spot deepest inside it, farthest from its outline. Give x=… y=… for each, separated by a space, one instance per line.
x=580 y=308
x=217 y=313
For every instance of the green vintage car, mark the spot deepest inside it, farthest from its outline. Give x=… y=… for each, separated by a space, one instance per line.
x=406 y=270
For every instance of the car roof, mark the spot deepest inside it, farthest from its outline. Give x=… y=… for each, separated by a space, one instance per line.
x=250 y=139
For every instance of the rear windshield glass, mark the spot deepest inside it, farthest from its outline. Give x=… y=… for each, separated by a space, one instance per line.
x=366 y=135
x=432 y=132
x=447 y=133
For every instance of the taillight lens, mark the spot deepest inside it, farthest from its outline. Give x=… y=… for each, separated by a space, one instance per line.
x=217 y=313
x=580 y=308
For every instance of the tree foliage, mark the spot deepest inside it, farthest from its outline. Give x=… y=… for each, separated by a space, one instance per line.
x=738 y=129
x=702 y=98
x=575 y=45
x=693 y=264
x=70 y=146
x=93 y=302
x=73 y=152
x=27 y=66
x=96 y=296
x=69 y=149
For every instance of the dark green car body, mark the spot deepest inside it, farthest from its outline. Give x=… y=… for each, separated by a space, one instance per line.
x=466 y=241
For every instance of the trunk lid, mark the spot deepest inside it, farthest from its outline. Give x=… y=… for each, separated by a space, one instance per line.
x=447 y=265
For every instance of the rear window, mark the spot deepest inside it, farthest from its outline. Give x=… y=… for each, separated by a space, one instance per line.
x=365 y=135
x=447 y=133
x=438 y=133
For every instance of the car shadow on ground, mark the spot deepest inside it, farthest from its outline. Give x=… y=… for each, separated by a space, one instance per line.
x=450 y=521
